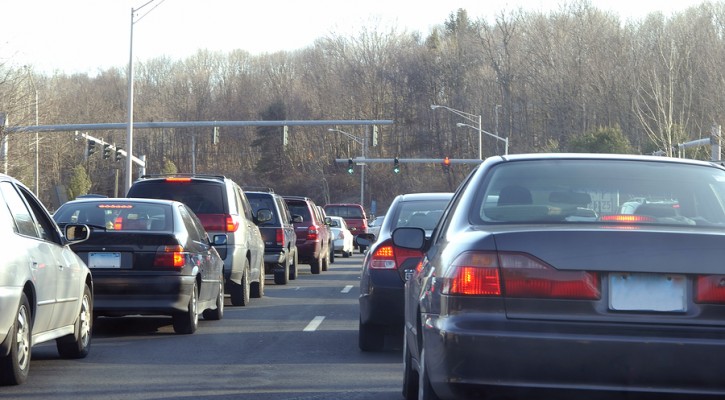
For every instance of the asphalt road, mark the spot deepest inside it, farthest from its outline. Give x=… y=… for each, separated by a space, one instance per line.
x=298 y=342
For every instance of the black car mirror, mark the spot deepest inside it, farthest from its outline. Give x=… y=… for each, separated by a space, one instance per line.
x=328 y=221
x=365 y=239
x=409 y=238
x=297 y=218
x=264 y=215
x=220 y=240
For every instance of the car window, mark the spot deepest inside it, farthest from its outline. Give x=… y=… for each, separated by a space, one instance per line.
x=201 y=197
x=20 y=212
x=345 y=211
x=423 y=214
x=300 y=209
x=186 y=217
x=258 y=201
x=583 y=191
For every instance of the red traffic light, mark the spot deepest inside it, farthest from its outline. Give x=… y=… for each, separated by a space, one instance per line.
x=446 y=164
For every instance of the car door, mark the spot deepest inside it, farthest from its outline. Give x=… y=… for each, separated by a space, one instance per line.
x=254 y=236
x=44 y=267
x=200 y=251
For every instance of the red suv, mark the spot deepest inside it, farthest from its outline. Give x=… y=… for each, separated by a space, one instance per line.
x=354 y=216
x=313 y=236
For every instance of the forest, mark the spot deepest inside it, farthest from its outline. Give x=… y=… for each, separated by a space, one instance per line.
x=577 y=79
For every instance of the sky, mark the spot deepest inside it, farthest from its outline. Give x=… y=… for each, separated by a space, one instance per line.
x=88 y=36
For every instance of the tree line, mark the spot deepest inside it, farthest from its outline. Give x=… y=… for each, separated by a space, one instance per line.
x=574 y=79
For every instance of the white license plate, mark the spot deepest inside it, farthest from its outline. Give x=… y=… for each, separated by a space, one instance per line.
x=104 y=260
x=647 y=292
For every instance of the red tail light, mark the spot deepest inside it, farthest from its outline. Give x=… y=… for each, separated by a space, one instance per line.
x=517 y=275
x=710 y=289
x=312 y=232
x=279 y=237
x=627 y=218
x=170 y=256
x=177 y=179
x=118 y=224
x=386 y=256
x=219 y=222
x=232 y=223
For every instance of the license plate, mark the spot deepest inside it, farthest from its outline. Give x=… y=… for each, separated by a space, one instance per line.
x=104 y=260
x=647 y=292
x=409 y=274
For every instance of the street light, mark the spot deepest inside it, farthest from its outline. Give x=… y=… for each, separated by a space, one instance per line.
x=37 y=122
x=471 y=117
x=505 y=140
x=129 y=128
x=364 y=143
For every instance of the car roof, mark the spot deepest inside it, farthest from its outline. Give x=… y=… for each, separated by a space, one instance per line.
x=425 y=196
x=122 y=200
x=597 y=156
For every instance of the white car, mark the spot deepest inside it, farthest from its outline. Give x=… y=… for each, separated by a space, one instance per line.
x=342 y=238
x=46 y=290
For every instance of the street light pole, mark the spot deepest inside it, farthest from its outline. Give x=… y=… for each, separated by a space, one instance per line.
x=505 y=140
x=364 y=143
x=37 y=122
x=471 y=117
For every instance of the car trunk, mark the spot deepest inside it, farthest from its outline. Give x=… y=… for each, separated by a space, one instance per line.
x=106 y=252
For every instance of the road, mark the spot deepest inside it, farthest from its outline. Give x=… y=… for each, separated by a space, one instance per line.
x=298 y=342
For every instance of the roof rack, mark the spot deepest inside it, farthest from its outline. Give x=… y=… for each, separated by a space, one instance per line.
x=257 y=189
x=184 y=175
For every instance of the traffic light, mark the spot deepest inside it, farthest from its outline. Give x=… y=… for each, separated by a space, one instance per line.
x=375 y=135
x=91 y=147
x=446 y=165
x=215 y=135
x=106 y=151
x=118 y=154
x=350 y=166
x=285 y=132
x=396 y=165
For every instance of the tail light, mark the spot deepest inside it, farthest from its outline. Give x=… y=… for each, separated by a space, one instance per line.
x=340 y=235
x=279 y=237
x=517 y=275
x=178 y=179
x=710 y=289
x=313 y=233
x=387 y=256
x=627 y=218
x=118 y=224
x=170 y=256
x=219 y=222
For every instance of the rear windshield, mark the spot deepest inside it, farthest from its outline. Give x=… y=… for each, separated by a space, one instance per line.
x=117 y=216
x=423 y=214
x=300 y=209
x=570 y=191
x=260 y=201
x=201 y=197
x=344 y=211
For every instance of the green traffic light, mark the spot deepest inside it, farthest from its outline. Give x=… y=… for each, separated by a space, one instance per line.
x=396 y=166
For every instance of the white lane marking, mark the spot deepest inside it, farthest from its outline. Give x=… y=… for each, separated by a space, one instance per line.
x=312 y=326
x=346 y=289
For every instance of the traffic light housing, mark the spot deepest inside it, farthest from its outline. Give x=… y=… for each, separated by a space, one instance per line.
x=118 y=154
x=446 y=165
x=106 y=151
x=91 y=147
x=396 y=166
x=350 y=166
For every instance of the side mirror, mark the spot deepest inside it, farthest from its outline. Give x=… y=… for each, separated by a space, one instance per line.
x=365 y=239
x=76 y=233
x=264 y=215
x=328 y=221
x=409 y=238
x=220 y=240
x=297 y=218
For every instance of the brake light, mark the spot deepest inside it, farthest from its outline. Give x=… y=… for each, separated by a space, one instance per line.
x=710 y=289
x=312 y=232
x=627 y=218
x=177 y=179
x=219 y=222
x=517 y=275
x=232 y=223
x=387 y=256
x=169 y=256
x=118 y=224
x=279 y=237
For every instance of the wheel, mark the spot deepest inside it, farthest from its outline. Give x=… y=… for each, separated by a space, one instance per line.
x=293 y=267
x=425 y=390
x=326 y=262
x=187 y=322
x=14 y=367
x=240 y=293
x=332 y=254
x=78 y=344
x=410 y=376
x=346 y=254
x=282 y=276
x=371 y=337
x=362 y=249
x=315 y=266
x=257 y=288
x=218 y=313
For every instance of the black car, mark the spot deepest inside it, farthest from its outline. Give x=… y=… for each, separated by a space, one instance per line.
x=278 y=233
x=149 y=257
x=223 y=209
x=313 y=236
x=386 y=267
x=535 y=283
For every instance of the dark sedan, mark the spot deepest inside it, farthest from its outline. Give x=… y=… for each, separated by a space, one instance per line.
x=149 y=257
x=387 y=267
x=535 y=281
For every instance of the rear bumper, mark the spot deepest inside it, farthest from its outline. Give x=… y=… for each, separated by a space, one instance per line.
x=382 y=298
x=573 y=357
x=142 y=294
x=308 y=251
x=274 y=256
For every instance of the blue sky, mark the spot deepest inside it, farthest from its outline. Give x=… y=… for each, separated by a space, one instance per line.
x=91 y=35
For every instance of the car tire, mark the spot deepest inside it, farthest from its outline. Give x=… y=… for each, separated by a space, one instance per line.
x=281 y=277
x=371 y=337
x=218 y=313
x=257 y=288
x=346 y=254
x=425 y=389
x=14 y=367
x=362 y=249
x=240 y=293
x=315 y=266
x=293 y=267
x=185 y=323
x=332 y=254
x=410 y=376
x=326 y=262
x=78 y=344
